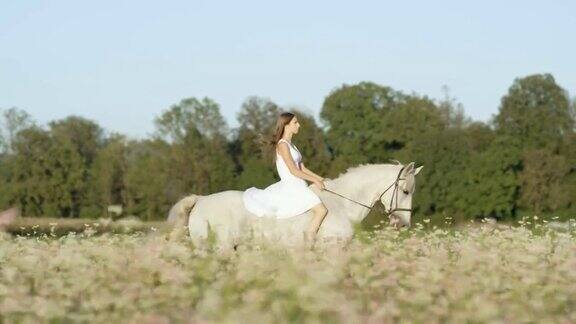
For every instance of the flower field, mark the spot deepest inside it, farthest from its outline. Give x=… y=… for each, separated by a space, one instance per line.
x=473 y=273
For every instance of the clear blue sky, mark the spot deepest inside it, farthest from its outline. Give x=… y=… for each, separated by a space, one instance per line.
x=122 y=63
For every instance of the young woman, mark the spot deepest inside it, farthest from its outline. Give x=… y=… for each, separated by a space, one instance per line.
x=291 y=195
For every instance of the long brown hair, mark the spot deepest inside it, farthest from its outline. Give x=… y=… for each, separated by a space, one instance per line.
x=268 y=143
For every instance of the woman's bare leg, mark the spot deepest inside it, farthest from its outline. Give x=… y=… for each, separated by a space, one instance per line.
x=310 y=233
x=319 y=212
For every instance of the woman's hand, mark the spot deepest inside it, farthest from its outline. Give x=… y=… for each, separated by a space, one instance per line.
x=319 y=184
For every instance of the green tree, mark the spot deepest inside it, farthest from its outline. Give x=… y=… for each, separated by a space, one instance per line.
x=567 y=187
x=201 y=114
x=151 y=183
x=541 y=181
x=257 y=116
x=492 y=179
x=199 y=156
x=312 y=144
x=13 y=120
x=479 y=136
x=353 y=115
x=86 y=135
x=86 y=138
x=535 y=110
x=452 y=111
x=46 y=176
x=413 y=118
x=108 y=176
x=369 y=123
x=441 y=185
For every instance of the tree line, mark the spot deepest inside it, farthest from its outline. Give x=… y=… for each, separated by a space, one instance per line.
x=522 y=161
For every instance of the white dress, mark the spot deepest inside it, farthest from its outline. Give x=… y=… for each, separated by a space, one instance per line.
x=286 y=198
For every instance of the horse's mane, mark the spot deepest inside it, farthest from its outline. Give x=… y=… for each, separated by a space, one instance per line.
x=354 y=171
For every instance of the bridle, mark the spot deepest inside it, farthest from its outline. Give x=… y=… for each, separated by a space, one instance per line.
x=390 y=210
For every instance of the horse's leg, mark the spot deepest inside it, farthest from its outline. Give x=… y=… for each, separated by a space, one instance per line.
x=198 y=228
x=336 y=230
x=218 y=215
x=201 y=229
x=224 y=237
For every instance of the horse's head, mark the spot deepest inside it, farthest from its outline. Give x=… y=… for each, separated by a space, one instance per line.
x=398 y=198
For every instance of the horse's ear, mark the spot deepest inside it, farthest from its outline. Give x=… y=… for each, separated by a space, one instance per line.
x=418 y=169
x=409 y=168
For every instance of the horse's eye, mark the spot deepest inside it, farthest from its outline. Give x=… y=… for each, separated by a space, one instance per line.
x=406 y=192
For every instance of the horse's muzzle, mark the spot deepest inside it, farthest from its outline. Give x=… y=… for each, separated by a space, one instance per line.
x=397 y=222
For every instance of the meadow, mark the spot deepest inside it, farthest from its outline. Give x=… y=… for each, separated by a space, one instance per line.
x=473 y=273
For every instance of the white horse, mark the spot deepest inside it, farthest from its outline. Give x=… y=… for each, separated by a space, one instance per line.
x=348 y=199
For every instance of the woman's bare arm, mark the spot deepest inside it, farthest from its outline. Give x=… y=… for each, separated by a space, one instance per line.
x=284 y=152
x=309 y=172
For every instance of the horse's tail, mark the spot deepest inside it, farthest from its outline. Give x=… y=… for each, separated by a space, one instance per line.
x=179 y=214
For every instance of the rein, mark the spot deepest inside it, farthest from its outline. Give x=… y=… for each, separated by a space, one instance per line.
x=391 y=210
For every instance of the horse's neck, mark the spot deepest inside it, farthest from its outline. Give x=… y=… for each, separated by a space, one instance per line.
x=364 y=185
